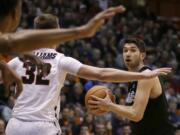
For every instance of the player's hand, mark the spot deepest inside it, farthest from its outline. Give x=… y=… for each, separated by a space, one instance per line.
x=29 y=57
x=42 y=69
x=91 y=27
x=96 y=103
x=10 y=78
x=156 y=72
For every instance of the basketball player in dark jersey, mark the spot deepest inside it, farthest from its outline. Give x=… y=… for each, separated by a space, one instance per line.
x=146 y=104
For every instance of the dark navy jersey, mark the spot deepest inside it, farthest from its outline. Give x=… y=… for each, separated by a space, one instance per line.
x=155 y=120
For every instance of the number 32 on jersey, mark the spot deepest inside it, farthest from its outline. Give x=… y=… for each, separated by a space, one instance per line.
x=32 y=76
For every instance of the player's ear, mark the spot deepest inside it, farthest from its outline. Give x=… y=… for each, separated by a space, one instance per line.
x=143 y=55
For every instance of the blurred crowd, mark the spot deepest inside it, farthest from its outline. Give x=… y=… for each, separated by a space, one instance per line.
x=104 y=50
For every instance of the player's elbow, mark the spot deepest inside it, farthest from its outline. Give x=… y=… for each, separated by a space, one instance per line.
x=100 y=75
x=103 y=75
x=137 y=116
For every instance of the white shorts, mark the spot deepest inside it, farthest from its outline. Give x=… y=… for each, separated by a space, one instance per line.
x=18 y=127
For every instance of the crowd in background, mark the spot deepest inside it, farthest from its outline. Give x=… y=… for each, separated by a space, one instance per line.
x=104 y=50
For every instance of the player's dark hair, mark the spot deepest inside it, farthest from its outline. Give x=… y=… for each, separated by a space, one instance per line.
x=7 y=6
x=138 y=42
x=46 y=21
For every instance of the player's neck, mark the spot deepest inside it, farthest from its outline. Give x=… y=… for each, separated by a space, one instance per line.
x=137 y=68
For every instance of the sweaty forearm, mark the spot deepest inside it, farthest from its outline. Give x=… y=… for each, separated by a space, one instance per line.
x=34 y=39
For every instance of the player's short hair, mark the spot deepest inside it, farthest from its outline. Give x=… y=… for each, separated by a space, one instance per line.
x=46 y=21
x=138 y=42
x=7 y=6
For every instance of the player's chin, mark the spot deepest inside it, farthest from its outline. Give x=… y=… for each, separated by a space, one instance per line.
x=128 y=64
x=131 y=64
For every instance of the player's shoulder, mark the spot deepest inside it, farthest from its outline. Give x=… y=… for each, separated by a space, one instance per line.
x=60 y=54
x=15 y=59
x=146 y=70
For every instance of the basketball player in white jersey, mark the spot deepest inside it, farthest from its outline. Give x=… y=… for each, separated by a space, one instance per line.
x=20 y=42
x=36 y=109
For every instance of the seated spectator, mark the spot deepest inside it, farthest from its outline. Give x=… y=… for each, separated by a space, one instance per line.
x=85 y=131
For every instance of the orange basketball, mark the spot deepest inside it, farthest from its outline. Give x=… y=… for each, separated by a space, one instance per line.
x=99 y=91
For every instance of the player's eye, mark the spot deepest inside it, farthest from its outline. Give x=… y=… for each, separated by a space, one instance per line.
x=125 y=50
x=133 y=50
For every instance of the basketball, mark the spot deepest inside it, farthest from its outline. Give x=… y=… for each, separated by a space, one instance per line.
x=99 y=91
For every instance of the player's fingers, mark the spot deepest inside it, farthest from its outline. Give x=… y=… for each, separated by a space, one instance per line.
x=96 y=98
x=93 y=107
x=108 y=15
x=166 y=69
x=162 y=72
x=40 y=69
x=94 y=111
x=110 y=12
x=118 y=9
x=113 y=98
x=108 y=92
x=107 y=95
x=92 y=102
x=35 y=60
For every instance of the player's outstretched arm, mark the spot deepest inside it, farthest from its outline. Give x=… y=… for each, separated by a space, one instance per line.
x=34 y=39
x=115 y=75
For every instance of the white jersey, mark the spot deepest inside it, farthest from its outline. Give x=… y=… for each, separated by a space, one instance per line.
x=40 y=98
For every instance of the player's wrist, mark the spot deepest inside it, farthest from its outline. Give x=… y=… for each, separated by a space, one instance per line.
x=81 y=31
x=110 y=107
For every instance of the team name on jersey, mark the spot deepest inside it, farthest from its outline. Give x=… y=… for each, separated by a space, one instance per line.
x=46 y=55
x=130 y=97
